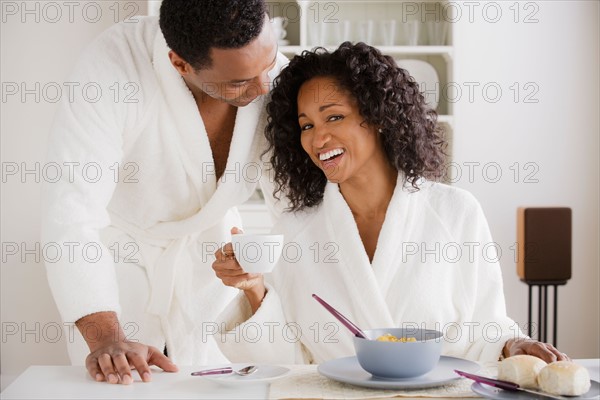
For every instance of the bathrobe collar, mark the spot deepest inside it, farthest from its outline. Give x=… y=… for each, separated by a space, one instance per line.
x=370 y=281
x=234 y=188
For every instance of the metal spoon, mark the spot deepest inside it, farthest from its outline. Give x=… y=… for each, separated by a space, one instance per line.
x=250 y=369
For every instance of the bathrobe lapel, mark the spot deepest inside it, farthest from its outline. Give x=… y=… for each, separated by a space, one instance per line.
x=239 y=181
x=171 y=272
x=362 y=286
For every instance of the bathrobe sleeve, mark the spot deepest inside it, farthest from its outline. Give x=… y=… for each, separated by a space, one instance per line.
x=490 y=325
x=85 y=142
x=264 y=337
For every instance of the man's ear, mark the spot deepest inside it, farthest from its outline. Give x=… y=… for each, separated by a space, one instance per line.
x=182 y=66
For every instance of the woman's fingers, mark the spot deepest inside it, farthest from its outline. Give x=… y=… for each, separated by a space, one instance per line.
x=559 y=356
x=225 y=252
x=544 y=351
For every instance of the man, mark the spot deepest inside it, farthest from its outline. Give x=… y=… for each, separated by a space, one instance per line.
x=164 y=153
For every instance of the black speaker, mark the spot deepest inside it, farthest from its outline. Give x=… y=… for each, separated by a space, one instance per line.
x=544 y=244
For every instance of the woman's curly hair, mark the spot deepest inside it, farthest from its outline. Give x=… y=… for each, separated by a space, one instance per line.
x=388 y=98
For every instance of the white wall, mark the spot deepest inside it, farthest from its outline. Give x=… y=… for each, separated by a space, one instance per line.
x=36 y=51
x=559 y=55
x=560 y=134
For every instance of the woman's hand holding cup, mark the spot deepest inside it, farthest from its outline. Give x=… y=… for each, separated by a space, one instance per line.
x=228 y=269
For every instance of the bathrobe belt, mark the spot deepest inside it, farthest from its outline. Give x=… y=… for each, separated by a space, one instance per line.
x=172 y=265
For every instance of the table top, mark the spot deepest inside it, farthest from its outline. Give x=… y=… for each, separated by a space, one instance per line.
x=73 y=382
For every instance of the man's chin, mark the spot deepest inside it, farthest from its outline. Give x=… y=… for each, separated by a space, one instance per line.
x=242 y=102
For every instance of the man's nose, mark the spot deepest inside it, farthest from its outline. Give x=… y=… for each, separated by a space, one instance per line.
x=264 y=83
x=259 y=87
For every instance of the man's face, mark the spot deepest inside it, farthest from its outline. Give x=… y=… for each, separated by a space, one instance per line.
x=237 y=76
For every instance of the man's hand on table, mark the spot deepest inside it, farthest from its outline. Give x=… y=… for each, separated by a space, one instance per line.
x=112 y=357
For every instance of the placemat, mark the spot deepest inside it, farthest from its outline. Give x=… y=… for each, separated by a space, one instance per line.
x=304 y=382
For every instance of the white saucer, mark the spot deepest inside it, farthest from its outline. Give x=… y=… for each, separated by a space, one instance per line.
x=499 y=394
x=264 y=373
x=348 y=370
x=283 y=42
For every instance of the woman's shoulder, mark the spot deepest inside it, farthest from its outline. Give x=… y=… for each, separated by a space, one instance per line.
x=449 y=202
x=445 y=194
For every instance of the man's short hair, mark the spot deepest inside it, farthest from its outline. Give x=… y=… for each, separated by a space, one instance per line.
x=192 y=27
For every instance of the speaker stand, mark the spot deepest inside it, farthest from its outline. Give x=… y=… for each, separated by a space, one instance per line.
x=542 y=332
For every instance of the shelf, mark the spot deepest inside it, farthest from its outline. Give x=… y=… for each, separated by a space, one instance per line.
x=419 y=50
x=446 y=119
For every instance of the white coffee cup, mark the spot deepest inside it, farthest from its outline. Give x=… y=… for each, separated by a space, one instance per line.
x=257 y=253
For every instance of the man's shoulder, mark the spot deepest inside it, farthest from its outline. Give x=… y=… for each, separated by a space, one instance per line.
x=128 y=38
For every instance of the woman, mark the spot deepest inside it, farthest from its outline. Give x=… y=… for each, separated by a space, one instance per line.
x=353 y=146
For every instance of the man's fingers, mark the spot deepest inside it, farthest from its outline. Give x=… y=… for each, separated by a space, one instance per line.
x=107 y=367
x=93 y=368
x=122 y=366
x=160 y=360
x=140 y=365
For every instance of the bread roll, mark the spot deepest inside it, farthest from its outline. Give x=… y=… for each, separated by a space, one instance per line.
x=564 y=378
x=522 y=370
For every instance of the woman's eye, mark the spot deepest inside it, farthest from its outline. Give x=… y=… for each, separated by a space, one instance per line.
x=335 y=118
x=305 y=127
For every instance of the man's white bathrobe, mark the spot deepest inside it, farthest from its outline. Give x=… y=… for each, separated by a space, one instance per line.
x=435 y=267
x=138 y=211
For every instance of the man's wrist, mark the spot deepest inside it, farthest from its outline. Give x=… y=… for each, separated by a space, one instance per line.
x=100 y=329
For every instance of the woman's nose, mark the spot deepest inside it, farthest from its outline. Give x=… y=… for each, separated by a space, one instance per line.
x=321 y=137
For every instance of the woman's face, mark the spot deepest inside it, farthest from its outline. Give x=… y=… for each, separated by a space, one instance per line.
x=333 y=134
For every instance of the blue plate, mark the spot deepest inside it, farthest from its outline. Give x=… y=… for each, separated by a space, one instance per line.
x=348 y=370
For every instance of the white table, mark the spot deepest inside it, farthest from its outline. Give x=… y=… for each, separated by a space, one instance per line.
x=66 y=382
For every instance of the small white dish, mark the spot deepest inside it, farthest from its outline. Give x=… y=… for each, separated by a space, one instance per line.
x=500 y=394
x=427 y=78
x=283 y=42
x=348 y=370
x=264 y=373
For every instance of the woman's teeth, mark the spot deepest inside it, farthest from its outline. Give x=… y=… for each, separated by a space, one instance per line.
x=330 y=154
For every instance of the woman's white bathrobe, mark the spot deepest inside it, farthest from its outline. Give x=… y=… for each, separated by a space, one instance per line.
x=138 y=191
x=435 y=266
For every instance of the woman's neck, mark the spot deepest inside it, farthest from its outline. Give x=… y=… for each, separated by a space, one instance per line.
x=369 y=195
